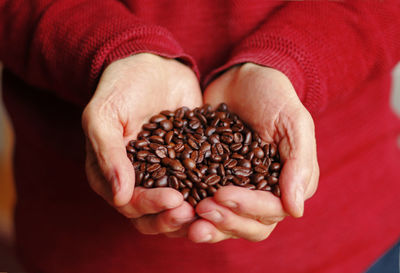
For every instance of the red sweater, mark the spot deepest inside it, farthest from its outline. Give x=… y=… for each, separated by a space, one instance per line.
x=338 y=56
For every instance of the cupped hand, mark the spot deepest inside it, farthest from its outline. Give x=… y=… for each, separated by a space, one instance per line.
x=130 y=91
x=265 y=99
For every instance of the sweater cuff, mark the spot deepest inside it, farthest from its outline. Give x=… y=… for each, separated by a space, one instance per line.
x=285 y=56
x=153 y=40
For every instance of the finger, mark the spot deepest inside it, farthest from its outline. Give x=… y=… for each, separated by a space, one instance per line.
x=167 y=221
x=105 y=135
x=203 y=231
x=298 y=152
x=313 y=185
x=262 y=206
x=232 y=224
x=151 y=201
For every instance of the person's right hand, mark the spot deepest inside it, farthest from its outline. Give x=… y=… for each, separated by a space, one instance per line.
x=130 y=91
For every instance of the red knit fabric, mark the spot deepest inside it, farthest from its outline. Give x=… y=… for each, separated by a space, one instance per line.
x=338 y=56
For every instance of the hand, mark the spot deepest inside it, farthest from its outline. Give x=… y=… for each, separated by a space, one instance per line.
x=130 y=91
x=266 y=100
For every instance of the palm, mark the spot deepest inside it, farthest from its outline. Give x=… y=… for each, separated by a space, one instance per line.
x=129 y=92
x=265 y=99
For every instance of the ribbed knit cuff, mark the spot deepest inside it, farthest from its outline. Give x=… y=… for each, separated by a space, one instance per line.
x=155 y=40
x=283 y=55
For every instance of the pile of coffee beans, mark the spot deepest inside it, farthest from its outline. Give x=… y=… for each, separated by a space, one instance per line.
x=198 y=151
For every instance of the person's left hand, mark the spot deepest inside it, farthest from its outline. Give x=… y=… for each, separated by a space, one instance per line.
x=266 y=100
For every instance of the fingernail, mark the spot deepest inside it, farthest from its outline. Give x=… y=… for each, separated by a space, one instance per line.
x=230 y=204
x=176 y=222
x=115 y=185
x=205 y=239
x=299 y=199
x=213 y=216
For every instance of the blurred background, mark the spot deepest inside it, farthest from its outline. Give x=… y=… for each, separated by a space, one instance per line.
x=8 y=262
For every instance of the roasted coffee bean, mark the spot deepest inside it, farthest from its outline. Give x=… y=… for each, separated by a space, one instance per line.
x=189 y=163
x=159 y=173
x=166 y=125
x=153 y=167
x=213 y=139
x=276 y=190
x=261 y=184
x=236 y=147
x=141 y=155
x=162 y=182
x=245 y=163
x=150 y=126
x=192 y=201
x=230 y=163
x=185 y=192
x=272 y=180
x=247 y=138
x=261 y=169
x=195 y=194
x=258 y=152
x=144 y=134
x=159 y=132
x=139 y=144
x=167 y=113
x=148 y=183
x=256 y=161
x=272 y=150
x=237 y=137
x=161 y=153
x=256 y=178
x=237 y=156
x=194 y=124
x=203 y=193
x=242 y=171
x=179 y=175
x=275 y=167
x=212 y=179
x=219 y=148
x=211 y=190
x=158 y=118
x=193 y=177
x=156 y=139
x=168 y=137
x=173 y=182
x=201 y=150
x=171 y=153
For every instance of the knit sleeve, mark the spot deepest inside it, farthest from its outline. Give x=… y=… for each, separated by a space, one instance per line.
x=326 y=48
x=63 y=46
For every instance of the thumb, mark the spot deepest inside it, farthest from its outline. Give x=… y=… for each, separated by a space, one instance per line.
x=105 y=138
x=298 y=152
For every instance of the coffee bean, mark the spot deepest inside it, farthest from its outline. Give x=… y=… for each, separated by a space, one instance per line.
x=148 y=183
x=168 y=137
x=150 y=126
x=162 y=182
x=258 y=152
x=185 y=192
x=189 y=163
x=173 y=182
x=158 y=118
x=242 y=171
x=212 y=179
x=201 y=150
x=159 y=132
x=153 y=167
x=272 y=180
x=166 y=125
x=156 y=139
x=275 y=166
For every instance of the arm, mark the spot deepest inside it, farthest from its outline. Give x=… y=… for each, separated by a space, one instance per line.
x=325 y=48
x=63 y=46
